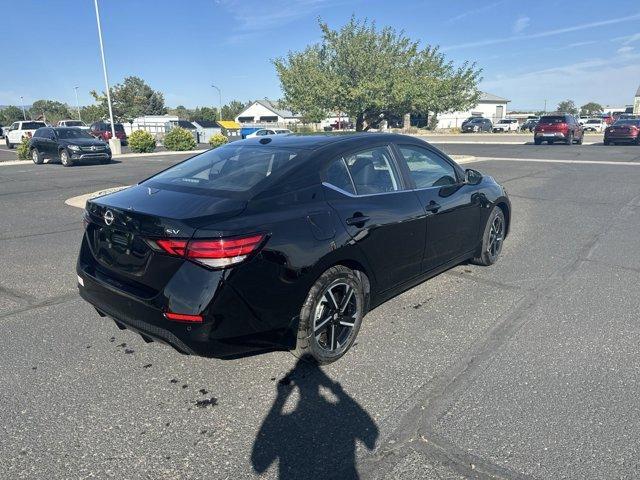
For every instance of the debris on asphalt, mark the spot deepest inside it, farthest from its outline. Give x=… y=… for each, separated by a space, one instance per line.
x=148 y=365
x=129 y=350
x=213 y=401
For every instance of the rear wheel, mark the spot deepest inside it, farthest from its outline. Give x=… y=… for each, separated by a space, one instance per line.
x=569 y=140
x=492 y=238
x=65 y=159
x=331 y=315
x=579 y=141
x=36 y=156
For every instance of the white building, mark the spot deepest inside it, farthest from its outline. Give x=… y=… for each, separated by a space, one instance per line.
x=265 y=112
x=636 y=103
x=154 y=124
x=489 y=106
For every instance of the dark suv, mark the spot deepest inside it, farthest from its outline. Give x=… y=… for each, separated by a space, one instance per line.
x=558 y=127
x=477 y=124
x=68 y=144
x=102 y=130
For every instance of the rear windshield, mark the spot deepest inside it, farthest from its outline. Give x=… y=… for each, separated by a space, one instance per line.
x=594 y=121
x=118 y=127
x=628 y=121
x=32 y=125
x=553 y=119
x=230 y=168
x=74 y=123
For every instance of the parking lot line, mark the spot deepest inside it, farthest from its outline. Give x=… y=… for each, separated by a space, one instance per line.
x=548 y=160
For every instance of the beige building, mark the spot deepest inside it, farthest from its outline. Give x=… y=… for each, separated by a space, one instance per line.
x=636 y=103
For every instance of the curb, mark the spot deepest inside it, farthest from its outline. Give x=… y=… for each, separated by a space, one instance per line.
x=464 y=158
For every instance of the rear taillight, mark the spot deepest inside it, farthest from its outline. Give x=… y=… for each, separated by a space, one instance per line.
x=183 y=317
x=214 y=253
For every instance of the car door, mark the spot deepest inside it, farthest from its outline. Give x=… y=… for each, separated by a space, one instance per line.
x=379 y=212
x=14 y=133
x=452 y=207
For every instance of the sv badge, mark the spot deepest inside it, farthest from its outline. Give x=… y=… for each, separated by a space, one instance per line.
x=172 y=231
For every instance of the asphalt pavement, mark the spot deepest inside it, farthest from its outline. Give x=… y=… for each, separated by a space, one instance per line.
x=526 y=369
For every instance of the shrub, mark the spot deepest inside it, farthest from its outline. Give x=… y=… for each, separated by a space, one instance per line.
x=179 y=139
x=217 y=140
x=23 y=149
x=141 y=141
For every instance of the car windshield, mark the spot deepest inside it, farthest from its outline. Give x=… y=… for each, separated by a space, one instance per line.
x=72 y=133
x=475 y=120
x=32 y=125
x=553 y=119
x=74 y=123
x=230 y=168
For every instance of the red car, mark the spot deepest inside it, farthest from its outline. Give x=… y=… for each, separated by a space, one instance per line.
x=626 y=130
x=561 y=127
x=102 y=130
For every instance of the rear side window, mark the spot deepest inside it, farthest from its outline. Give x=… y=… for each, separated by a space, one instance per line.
x=338 y=176
x=553 y=119
x=230 y=168
x=32 y=125
x=427 y=168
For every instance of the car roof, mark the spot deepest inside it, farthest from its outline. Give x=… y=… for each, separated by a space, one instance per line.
x=316 y=141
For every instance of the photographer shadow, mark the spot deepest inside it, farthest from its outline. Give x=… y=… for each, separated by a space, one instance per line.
x=318 y=437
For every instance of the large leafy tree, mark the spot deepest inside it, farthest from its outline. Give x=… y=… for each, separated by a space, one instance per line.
x=132 y=98
x=50 y=110
x=204 y=113
x=371 y=74
x=93 y=113
x=591 y=108
x=232 y=109
x=10 y=114
x=568 y=106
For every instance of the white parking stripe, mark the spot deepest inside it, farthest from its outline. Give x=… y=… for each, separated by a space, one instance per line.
x=546 y=160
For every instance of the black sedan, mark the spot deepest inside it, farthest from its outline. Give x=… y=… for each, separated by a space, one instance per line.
x=67 y=144
x=284 y=242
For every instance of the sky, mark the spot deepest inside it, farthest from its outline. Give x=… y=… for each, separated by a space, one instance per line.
x=530 y=52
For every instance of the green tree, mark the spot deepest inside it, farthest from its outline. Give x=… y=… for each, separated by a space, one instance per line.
x=132 y=98
x=93 y=113
x=232 y=109
x=204 y=113
x=591 y=108
x=10 y=114
x=50 y=110
x=371 y=74
x=568 y=106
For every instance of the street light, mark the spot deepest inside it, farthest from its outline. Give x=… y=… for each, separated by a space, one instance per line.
x=22 y=105
x=113 y=141
x=219 y=101
x=77 y=103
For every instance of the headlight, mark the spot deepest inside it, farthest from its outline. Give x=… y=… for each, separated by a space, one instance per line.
x=75 y=148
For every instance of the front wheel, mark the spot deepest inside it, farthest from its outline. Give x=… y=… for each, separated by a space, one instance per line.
x=537 y=141
x=9 y=144
x=331 y=315
x=492 y=239
x=36 y=156
x=104 y=161
x=65 y=159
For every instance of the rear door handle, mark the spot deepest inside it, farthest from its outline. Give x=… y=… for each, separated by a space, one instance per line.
x=357 y=220
x=432 y=207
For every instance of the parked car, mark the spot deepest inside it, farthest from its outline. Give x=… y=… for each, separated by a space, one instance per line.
x=19 y=130
x=73 y=123
x=609 y=120
x=625 y=130
x=594 y=125
x=2 y=131
x=269 y=131
x=561 y=127
x=67 y=144
x=284 y=242
x=476 y=124
x=102 y=130
x=529 y=125
x=506 y=125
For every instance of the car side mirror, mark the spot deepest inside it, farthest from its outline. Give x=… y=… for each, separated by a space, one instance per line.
x=472 y=177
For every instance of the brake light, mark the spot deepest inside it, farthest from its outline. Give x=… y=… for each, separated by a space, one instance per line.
x=215 y=253
x=182 y=317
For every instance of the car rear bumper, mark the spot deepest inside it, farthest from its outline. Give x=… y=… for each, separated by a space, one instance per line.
x=551 y=135
x=620 y=138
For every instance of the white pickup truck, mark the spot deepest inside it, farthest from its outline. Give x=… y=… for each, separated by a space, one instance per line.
x=73 y=123
x=18 y=130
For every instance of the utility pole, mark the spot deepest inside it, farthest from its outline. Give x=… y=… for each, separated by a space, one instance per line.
x=545 y=106
x=24 y=115
x=219 y=101
x=77 y=102
x=113 y=141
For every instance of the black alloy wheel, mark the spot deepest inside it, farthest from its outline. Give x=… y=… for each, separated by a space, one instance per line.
x=331 y=316
x=492 y=239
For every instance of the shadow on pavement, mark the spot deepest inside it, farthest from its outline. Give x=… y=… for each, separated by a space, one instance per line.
x=315 y=437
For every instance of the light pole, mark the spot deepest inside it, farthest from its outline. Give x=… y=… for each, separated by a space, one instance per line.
x=113 y=141
x=22 y=105
x=77 y=102
x=219 y=101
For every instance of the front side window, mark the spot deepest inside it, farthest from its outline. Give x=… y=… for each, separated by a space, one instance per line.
x=229 y=169
x=427 y=168
x=371 y=171
x=32 y=125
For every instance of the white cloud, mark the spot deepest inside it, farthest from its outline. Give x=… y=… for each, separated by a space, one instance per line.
x=626 y=49
x=474 y=12
x=628 y=39
x=546 y=33
x=520 y=24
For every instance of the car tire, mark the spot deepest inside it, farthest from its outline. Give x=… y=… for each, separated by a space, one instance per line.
x=36 y=156
x=9 y=144
x=321 y=326
x=104 y=161
x=537 y=141
x=492 y=238
x=65 y=159
x=606 y=142
x=569 y=140
x=579 y=142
